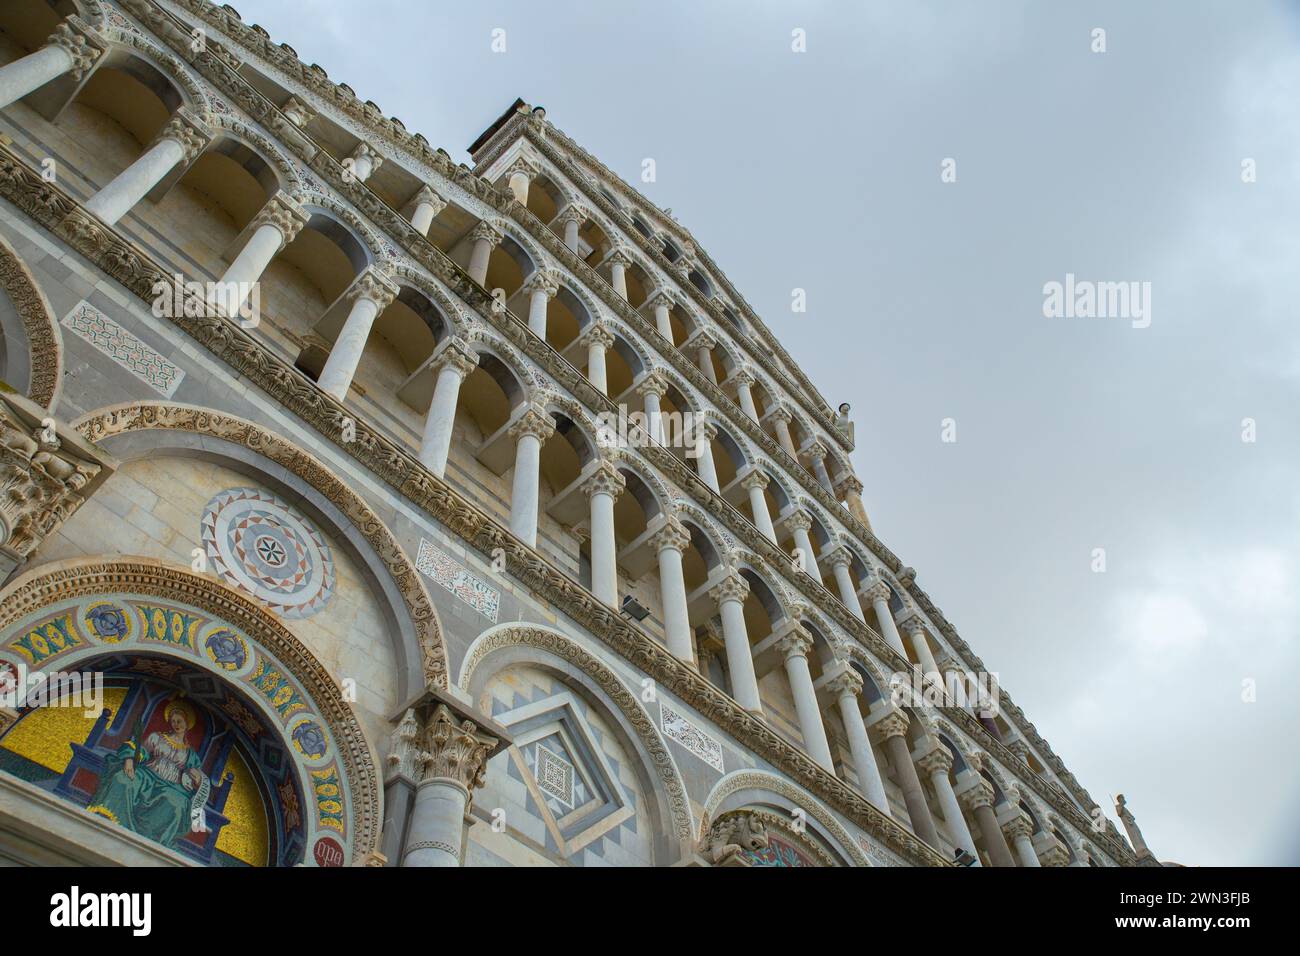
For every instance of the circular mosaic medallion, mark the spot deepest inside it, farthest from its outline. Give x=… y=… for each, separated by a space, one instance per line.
x=264 y=547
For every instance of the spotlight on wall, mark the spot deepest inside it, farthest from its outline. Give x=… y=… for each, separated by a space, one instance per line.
x=962 y=858
x=633 y=608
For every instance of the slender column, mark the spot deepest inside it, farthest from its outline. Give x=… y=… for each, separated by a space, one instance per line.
x=66 y=51
x=878 y=594
x=705 y=433
x=840 y=559
x=369 y=295
x=781 y=419
x=936 y=765
x=453 y=761
x=485 y=237
x=744 y=382
x=754 y=483
x=794 y=646
x=602 y=488
x=670 y=542
x=730 y=595
x=540 y=287
x=817 y=455
x=651 y=388
x=1131 y=828
x=451 y=367
x=521 y=176
x=572 y=219
x=704 y=343
x=915 y=629
x=618 y=263
x=979 y=800
x=893 y=731
x=277 y=225
x=799 y=524
x=366 y=161
x=1019 y=831
x=661 y=301
x=297 y=112
x=845 y=688
x=179 y=143
x=532 y=428
x=599 y=340
x=849 y=490
x=426 y=208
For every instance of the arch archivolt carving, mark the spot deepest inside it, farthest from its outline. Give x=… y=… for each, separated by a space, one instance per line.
x=668 y=777
x=131 y=417
x=739 y=780
x=363 y=231
x=723 y=542
x=457 y=317
x=44 y=342
x=192 y=91
x=290 y=181
x=67 y=582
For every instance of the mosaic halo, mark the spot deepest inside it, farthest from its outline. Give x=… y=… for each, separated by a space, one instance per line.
x=264 y=547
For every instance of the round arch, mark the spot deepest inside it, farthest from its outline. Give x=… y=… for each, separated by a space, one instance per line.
x=426 y=660
x=44 y=344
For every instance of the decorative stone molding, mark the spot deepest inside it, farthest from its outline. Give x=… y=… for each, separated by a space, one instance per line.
x=374 y=285
x=535 y=422
x=453 y=749
x=672 y=535
x=732 y=835
x=605 y=479
x=298 y=112
x=731 y=588
x=47 y=471
x=284 y=213
x=45 y=345
x=937 y=760
x=80 y=42
x=187 y=130
x=403 y=749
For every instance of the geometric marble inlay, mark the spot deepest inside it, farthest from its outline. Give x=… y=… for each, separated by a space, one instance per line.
x=123 y=348
x=555 y=775
x=439 y=566
x=264 y=547
x=679 y=728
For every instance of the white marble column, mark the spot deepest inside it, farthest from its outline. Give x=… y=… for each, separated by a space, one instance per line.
x=1019 y=831
x=915 y=630
x=794 y=646
x=599 y=340
x=703 y=343
x=845 y=688
x=781 y=418
x=277 y=225
x=485 y=237
x=892 y=729
x=619 y=260
x=877 y=594
x=370 y=294
x=178 y=144
x=848 y=488
x=743 y=382
x=450 y=369
x=73 y=48
x=602 y=488
x=671 y=541
x=425 y=209
x=366 y=161
x=662 y=302
x=572 y=219
x=979 y=800
x=652 y=388
x=817 y=453
x=454 y=753
x=730 y=594
x=754 y=483
x=799 y=524
x=936 y=765
x=532 y=428
x=540 y=287
x=521 y=173
x=707 y=467
x=839 y=560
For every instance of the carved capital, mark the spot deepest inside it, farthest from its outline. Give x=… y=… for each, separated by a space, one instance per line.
x=913 y=626
x=367 y=151
x=672 y=534
x=846 y=485
x=542 y=280
x=597 y=334
x=652 y=383
x=486 y=231
x=375 y=286
x=1017 y=827
x=815 y=450
x=572 y=213
x=755 y=479
x=619 y=256
x=797 y=521
x=284 y=213
x=523 y=165
x=838 y=556
x=535 y=422
x=661 y=297
x=781 y=413
x=938 y=760
x=847 y=681
x=455 y=355
x=891 y=725
x=731 y=588
x=404 y=749
x=455 y=750
x=605 y=479
x=742 y=378
x=980 y=795
x=191 y=133
x=80 y=42
x=879 y=591
x=701 y=339
x=427 y=196
x=795 y=642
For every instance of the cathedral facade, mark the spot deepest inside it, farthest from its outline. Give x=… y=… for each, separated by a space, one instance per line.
x=363 y=508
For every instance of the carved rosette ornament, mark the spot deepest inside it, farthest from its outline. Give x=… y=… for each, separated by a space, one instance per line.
x=46 y=473
x=454 y=750
x=285 y=214
x=80 y=42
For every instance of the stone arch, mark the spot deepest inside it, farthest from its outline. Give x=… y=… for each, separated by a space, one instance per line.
x=456 y=315
x=425 y=629
x=51 y=584
x=40 y=328
x=330 y=208
x=235 y=128
x=123 y=44
x=739 y=781
x=670 y=788
x=634 y=463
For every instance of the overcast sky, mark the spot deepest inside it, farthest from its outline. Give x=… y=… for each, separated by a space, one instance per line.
x=821 y=170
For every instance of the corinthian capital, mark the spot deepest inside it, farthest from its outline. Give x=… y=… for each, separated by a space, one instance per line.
x=189 y=131
x=572 y=213
x=652 y=383
x=456 y=355
x=731 y=588
x=542 y=280
x=597 y=334
x=893 y=724
x=284 y=213
x=80 y=42
x=375 y=286
x=980 y=795
x=938 y=760
x=533 y=422
x=454 y=749
x=671 y=534
x=847 y=681
x=605 y=479
x=46 y=472
x=429 y=197
x=488 y=231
